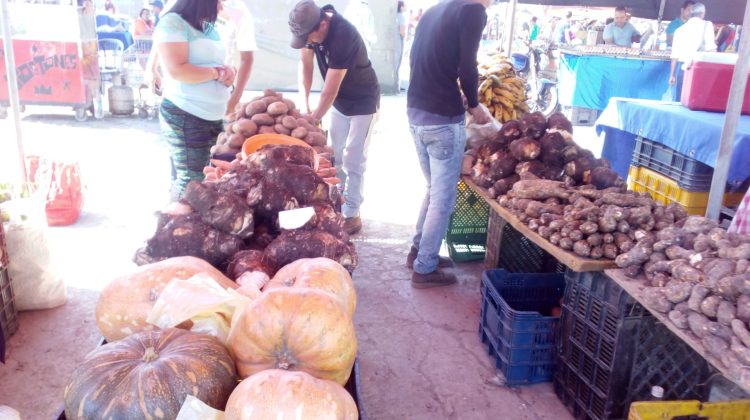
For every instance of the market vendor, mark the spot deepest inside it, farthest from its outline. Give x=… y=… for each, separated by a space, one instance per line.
x=350 y=91
x=685 y=11
x=621 y=32
x=443 y=64
x=697 y=34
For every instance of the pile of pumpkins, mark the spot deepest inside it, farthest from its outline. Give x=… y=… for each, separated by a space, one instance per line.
x=292 y=346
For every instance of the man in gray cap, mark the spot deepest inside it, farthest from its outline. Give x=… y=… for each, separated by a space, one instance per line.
x=351 y=89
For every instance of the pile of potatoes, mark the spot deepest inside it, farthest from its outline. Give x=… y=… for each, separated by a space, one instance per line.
x=699 y=275
x=591 y=223
x=267 y=114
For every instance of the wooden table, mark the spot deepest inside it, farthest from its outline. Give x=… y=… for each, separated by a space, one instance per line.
x=571 y=260
x=636 y=288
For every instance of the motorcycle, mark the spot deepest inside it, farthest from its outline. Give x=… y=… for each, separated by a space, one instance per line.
x=541 y=88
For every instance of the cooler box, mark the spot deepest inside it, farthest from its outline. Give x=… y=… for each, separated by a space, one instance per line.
x=707 y=81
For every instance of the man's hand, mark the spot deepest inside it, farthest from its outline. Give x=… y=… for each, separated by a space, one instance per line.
x=480 y=114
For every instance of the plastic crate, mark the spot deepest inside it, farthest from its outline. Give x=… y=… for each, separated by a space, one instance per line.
x=467 y=231
x=663 y=359
x=581 y=116
x=666 y=191
x=690 y=174
x=3 y=248
x=595 y=354
x=726 y=410
x=516 y=322
x=8 y=312
x=509 y=249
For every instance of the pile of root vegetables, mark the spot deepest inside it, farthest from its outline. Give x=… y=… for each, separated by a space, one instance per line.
x=699 y=275
x=589 y=222
x=270 y=113
x=538 y=148
x=233 y=223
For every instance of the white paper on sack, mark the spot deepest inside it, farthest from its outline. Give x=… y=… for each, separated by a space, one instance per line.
x=295 y=219
x=195 y=409
x=201 y=300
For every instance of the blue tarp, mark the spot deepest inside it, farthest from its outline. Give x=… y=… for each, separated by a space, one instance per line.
x=692 y=133
x=591 y=81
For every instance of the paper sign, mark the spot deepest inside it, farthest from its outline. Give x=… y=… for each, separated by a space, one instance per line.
x=295 y=219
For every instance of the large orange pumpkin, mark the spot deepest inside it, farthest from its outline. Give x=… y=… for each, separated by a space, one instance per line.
x=295 y=329
x=281 y=395
x=318 y=273
x=126 y=302
x=148 y=375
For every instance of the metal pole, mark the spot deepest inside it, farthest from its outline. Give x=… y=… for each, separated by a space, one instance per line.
x=661 y=11
x=511 y=29
x=10 y=70
x=734 y=108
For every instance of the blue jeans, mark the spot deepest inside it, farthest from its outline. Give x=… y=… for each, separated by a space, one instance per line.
x=440 y=149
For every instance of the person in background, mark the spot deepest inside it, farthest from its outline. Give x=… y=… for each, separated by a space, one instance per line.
x=534 y=33
x=562 y=30
x=443 y=64
x=236 y=27
x=350 y=87
x=697 y=34
x=741 y=220
x=621 y=32
x=402 y=28
x=156 y=9
x=195 y=87
x=143 y=26
x=685 y=11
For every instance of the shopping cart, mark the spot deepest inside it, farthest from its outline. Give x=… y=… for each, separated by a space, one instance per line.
x=135 y=60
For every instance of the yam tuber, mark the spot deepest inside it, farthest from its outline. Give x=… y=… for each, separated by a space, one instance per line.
x=534 y=167
x=741 y=252
x=699 y=324
x=525 y=149
x=678 y=291
x=533 y=125
x=636 y=256
x=566 y=244
x=597 y=252
x=726 y=312
x=710 y=306
x=739 y=328
x=655 y=299
x=582 y=248
x=696 y=297
x=679 y=319
x=610 y=251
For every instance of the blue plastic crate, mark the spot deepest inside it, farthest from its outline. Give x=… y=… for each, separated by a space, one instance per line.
x=517 y=324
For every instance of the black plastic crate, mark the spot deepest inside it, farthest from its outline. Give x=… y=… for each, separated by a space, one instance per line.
x=516 y=321
x=8 y=312
x=598 y=331
x=467 y=230
x=509 y=249
x=690 y=174
x=663 y=359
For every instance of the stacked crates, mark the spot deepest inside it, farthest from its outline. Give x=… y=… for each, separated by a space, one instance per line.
x=467 y=231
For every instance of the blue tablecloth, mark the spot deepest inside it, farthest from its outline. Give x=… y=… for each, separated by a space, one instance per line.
x=692 y=133
x=125 y=37
x=591 y=81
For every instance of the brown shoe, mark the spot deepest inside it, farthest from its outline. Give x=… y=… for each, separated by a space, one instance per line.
x=435 y=279
x=443 y=262
x=352 y=225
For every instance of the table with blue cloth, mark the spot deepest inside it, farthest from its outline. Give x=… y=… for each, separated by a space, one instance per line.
x=693 y=133
x=590 y=81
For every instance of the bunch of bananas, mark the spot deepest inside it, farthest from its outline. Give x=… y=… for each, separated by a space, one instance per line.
x=502 y=91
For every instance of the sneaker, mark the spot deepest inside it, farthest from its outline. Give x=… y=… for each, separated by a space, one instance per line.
x=352 y=225
x=443 y=262
x=435 y=279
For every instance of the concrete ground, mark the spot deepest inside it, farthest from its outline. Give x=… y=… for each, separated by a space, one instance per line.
x=420 y=354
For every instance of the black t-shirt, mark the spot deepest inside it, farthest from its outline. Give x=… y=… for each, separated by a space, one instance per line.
x=344 y=48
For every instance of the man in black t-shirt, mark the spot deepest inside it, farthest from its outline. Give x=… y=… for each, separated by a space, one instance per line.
x=350 y=88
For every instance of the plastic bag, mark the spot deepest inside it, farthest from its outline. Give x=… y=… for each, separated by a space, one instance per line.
x=195 y=409
x=477 y=134
x=201 y=300
x=668 y=96
x=35 y=284
x=61 y=183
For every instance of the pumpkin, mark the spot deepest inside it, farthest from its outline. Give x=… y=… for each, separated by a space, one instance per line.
x=279 y=394
x=254 y=143
x=296 y=329
x=148 y=375
x=318 y=273
x=125 y=303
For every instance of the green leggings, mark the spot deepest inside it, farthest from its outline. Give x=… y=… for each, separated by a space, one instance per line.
x=190 y=139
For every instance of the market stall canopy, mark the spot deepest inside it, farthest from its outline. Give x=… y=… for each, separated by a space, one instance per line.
x=717 y=11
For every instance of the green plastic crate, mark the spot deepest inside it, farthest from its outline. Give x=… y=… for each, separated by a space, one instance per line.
x=467 y=231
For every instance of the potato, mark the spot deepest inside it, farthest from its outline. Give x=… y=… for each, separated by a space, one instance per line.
x=221 y=149
x=255 y=107
x=279 y=128
x=231 y=117
x=266 y=129
x=245 y=127
x=269 y=92
x=236 y=140
x=278 y=108
x=221 y=139
x=263 y=119
x=268 y=100
x=316 y=139
x=299 y=133
x=290 y=122
x=289 y=104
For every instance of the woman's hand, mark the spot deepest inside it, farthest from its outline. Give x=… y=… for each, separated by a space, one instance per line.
x=226 y=75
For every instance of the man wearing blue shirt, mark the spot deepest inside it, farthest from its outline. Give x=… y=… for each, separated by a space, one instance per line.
x=621 y=32
x=685 y=11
